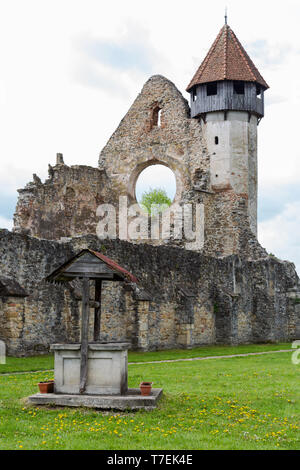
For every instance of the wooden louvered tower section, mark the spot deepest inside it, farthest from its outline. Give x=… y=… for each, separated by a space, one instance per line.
x=227 y=79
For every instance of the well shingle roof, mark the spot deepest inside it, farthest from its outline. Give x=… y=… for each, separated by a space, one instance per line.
x=116 y=267
x=58 y=274
x=227 y=60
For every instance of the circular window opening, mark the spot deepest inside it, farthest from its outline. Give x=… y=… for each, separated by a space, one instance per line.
x=155 y=188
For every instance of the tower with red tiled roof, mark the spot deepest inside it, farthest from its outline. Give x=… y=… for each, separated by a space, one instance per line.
x=227 y=79
x=227 y=96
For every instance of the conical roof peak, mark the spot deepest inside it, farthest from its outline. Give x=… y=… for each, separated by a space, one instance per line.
x=227 y=60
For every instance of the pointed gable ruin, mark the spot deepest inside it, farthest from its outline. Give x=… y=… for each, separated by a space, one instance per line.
x=140 y=141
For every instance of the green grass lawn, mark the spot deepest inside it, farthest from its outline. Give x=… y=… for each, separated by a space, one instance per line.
x=23 y=364
x=234 y=403
x=19 y=364
x=204 y=351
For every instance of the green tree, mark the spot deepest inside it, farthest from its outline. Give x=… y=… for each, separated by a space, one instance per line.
x=155 y=201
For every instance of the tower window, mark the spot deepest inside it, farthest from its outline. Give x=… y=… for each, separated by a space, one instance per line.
x=194 y=94
x=212 y=89
x=216 y=140
x=258 y=91
x=239 y=88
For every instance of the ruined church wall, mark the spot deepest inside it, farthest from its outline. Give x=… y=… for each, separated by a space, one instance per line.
x=65 y=204
x=48 y=313
x=139 y=142
x=181 y=144
x=194 y=299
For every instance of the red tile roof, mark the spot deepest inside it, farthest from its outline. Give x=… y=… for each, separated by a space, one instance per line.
x=58 y=274
x=227 y=60
x=116 y=267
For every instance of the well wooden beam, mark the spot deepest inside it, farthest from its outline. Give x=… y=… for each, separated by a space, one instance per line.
x=84 y=334
x=97 y=318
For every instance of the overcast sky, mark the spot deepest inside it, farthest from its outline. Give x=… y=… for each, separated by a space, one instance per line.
x=70 y=69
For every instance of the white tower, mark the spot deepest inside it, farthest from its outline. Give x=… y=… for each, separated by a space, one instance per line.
x=227 y=96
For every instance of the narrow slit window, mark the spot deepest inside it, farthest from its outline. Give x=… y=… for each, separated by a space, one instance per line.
x=239 y=88
x=159 y=118
x=156 y=117
x=216 y=140
x=212 y=89
x=194 y=94
x=258 y=91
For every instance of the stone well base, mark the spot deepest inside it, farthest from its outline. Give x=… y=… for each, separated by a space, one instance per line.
x=107 y=368
x=132 y=400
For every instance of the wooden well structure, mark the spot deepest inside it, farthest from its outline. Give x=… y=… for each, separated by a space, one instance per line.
x=89 y=265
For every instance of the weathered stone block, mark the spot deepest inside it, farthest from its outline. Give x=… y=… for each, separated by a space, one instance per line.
x=107 y=368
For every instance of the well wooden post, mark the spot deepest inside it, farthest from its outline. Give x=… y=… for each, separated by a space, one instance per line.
x=97 y=318
x=84 y=334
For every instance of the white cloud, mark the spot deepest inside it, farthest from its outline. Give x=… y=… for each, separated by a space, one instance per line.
x=115 y=63
x=280 y=235
x=6 y=223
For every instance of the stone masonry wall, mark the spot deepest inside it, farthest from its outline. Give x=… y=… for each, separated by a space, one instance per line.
x=48 y=314
x=64 y=205
x=194 y=299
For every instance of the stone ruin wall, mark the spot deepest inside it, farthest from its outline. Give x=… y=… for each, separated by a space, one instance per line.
x=229 y=292
x=194 y=299
x=65 y=205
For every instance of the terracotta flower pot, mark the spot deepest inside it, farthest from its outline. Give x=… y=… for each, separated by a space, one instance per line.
x=46 y=387
x=145 y=388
